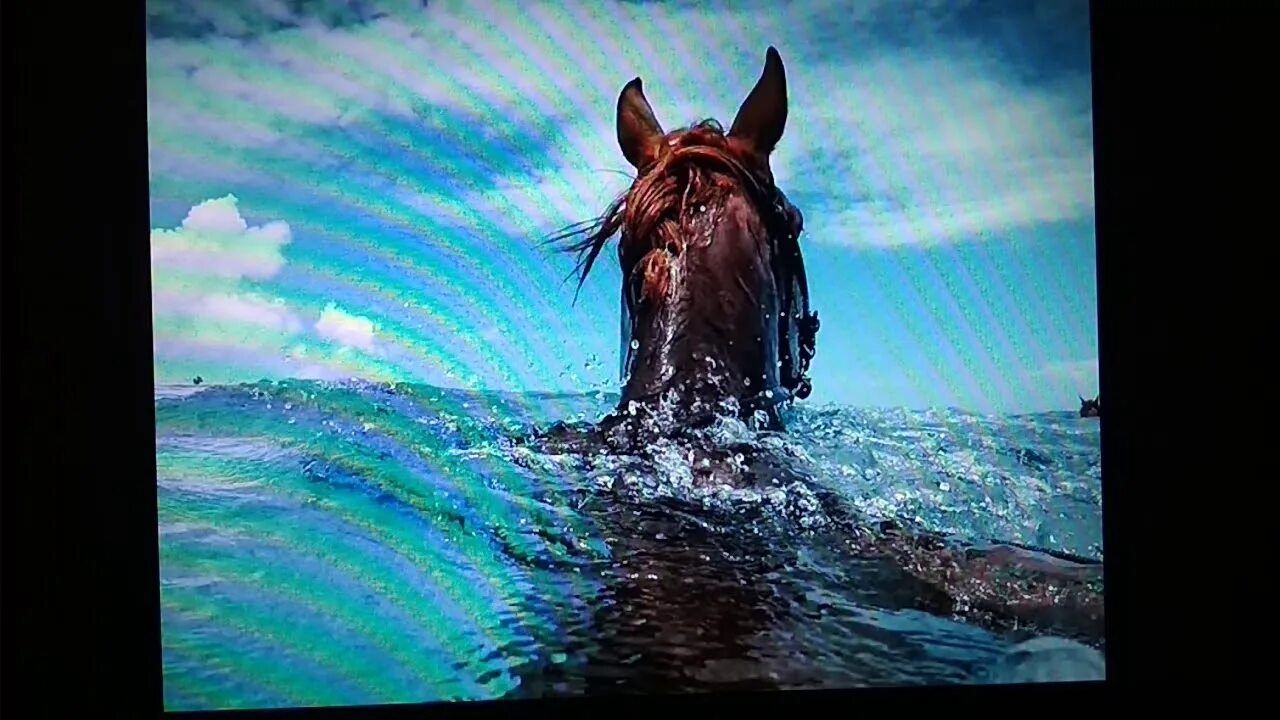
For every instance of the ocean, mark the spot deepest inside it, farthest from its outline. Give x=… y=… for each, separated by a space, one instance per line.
x=326 y=543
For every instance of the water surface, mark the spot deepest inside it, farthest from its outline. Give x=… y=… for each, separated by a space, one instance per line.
x=353 y=543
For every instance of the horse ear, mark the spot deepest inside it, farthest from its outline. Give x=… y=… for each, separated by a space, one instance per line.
x=639 y=134
x=763 y=115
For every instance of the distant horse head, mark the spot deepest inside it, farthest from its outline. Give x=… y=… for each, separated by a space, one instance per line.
x=714 y=293
x=1090 y=408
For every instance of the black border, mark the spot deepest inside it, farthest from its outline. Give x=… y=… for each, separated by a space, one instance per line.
x=80 y=599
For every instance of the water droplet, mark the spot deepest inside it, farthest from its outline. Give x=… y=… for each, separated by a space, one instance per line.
x=702 y=208
x=635 y=344
x=746 y=381
x=768 y=393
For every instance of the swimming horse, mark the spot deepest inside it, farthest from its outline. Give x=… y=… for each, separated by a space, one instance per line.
x=716 y=320
x=715 y=300
x=1090 y=408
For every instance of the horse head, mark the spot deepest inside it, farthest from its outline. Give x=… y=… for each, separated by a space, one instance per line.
x=714 y=293
x=1090 y=408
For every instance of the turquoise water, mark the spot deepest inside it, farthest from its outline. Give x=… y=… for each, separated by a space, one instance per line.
x=351 y=543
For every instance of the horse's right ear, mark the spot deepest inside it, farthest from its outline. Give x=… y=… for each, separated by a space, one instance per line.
x=639 y=134
x=763 y=115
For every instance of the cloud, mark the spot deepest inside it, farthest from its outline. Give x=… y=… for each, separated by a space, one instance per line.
x=249 y=309
x=214 y=240
x=922 y=143
x=346 y=329
x=1080 y=372
x=302 y=363
x=250 y=18
x=932 y=150
x=889 y=143
x=899 y=133
x=213 y=304
x=206 y=272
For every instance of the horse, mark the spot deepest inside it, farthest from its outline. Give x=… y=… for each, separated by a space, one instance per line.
x=716 y=320
x=1090 y=408
x=714 y=296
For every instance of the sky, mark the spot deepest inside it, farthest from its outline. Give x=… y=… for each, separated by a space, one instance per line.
x=359 y=189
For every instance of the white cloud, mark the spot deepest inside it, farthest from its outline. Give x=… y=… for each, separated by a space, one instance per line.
x=213 y=307
x=905 y=147
x=215 y=241
x=894 y=146
x=250 y=310
x=206 y=290
x=1082 y=373
x=301 y=363
x=932 y=150
x=346 y=329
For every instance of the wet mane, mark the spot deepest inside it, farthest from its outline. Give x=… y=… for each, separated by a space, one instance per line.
x=697 y=166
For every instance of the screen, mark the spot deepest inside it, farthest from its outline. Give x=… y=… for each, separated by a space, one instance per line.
x=539 y=349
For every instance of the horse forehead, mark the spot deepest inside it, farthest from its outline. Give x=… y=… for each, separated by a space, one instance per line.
x=740 y=231
x=743 y=212
x=746 y=216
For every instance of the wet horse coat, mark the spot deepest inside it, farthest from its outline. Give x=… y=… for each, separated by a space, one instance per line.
x=714 y=295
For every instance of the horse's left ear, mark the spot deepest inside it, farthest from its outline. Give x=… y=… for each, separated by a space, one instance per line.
x=763 y=115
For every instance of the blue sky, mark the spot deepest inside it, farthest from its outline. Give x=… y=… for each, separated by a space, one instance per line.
x=360 y=191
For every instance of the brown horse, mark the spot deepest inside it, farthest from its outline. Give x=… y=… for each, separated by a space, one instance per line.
x=716 y=318
x=1090 y=408
x=714 y=295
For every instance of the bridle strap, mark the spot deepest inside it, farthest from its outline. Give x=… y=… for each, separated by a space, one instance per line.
x=779 y=226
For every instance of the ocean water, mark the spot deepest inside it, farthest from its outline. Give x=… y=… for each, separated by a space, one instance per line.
x=353 y=543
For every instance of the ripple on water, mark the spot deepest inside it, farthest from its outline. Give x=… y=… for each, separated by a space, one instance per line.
x=578 y=573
